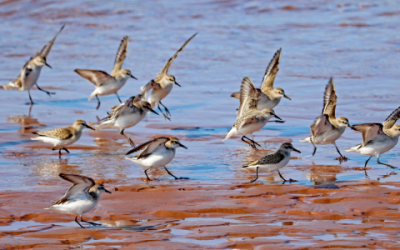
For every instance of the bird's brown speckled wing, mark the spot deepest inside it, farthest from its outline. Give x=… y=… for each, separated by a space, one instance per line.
x=330 y=99
x=121 y=55
x=320 y=125
x=59 y=133
x=270 y=72
x=248 y=97
x=46 y=49
x=392 y=118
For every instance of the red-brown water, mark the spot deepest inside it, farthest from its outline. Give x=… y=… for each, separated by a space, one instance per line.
x=332 y=205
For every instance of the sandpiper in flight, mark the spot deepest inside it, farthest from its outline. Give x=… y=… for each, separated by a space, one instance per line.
x=127 y=115
x=104 y=83
x=249 y=119
x=61 y=137
x=156 y=153
x=31 y=70
x=80 y=197
x=162 y=84
x=378 y=138
x=326 y=128
x=268 y=96
x=274 y=161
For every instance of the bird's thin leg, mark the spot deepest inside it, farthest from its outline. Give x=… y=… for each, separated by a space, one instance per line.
x=253 y=180
x=47 y=92
x=315 y=148
x=90 y=222
x=166 y=109
x=165 y=116
x=284 y=180
x=66 y=150
x=59 y=153
x=54 y=148
x=98 y=102
x=390 y=166
x=118 y=97
x=76 y=220
x=127 y=137
x=365 y=166
x=342 y=158
x=250 y=144
x=30 y=110
x=253 y=143
x=176 y=178
x=30 y=98
x=145 y=172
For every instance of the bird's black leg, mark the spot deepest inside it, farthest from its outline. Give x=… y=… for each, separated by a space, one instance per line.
x=165 y=116
x=91 y=223
x=253 y=180
x=176 y=178
x=315 y=148
x=59 y=152
x=342 y=158
x=47 y=92
x=390 y=166
x=54 y=148
x=253 y=143
x=166 y=109
x=365 y=166
x=98 y=102
x=284 y=180
x=30 y=98
x=250 y=144
x=145 y=172
x=76 y=220
x=118 y=97
x=66 y=150
x=127 y=137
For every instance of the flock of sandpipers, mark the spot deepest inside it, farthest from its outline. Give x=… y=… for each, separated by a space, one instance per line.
x=255 y=110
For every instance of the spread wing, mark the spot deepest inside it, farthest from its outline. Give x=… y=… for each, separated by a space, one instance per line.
x=81 y=186
x=248 y=97
x=330 y=99
x=121 y=55
x=148 y=147
x=164 y=70
x=46 y=49
x=392 y=118
x=97 y=77
x=123 y=107
x=59 y=133
x=320 y=125
x=149 y=86
x=369 y=131
x=270 y=73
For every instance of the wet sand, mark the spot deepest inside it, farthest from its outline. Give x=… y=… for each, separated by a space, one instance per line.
x=333 y=205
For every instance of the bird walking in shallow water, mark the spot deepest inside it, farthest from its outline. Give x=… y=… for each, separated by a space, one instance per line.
x=162 y=85
x=30 y=72
x=268 y=96
x=249 y=119
x=156 y=153
x=326 y=128
x=80 y=197
x=61 y=137
x=127 y=114
x=104 y=83
x=274 y=161
x=378 y=138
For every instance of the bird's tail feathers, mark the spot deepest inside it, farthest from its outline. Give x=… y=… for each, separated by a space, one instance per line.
x=354 y=149
x=230 y=133
x=308 y=139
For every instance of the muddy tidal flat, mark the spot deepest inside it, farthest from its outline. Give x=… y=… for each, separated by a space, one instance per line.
x=333 y=205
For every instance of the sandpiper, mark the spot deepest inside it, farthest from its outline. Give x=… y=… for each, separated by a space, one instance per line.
x=162 y=84
x=31 y=70
x=274 y=161
x=156 y=153
x=127 y=115
x=61 y=137
x=249 y=119
x=104 y=83
x=268 y=96
x=80 y=197
x=326 y=128
x=378 y=138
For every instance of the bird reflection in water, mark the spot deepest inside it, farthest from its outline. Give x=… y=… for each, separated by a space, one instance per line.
x=27 y=122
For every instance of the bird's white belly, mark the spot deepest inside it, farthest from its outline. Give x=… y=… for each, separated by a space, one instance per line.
x=251 y=128
x=328 y=137
x=156 y=159
x=157 y=95
x=110 y=87
x=378 y=147
x=31 y=79
x=265 y=103
x=77 y=207
x=129 y=120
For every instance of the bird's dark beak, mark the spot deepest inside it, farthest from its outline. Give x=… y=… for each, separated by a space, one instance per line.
x=348 y=125
x=105 y=190
x=178 y=84
x=183 y=146
x=298 y=151
x=277 y=117
x=133 y=76
x=152 y=110
x=48 y=65
x=88 y=126
x=287 y=97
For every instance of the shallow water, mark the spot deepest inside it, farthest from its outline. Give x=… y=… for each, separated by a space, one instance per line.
x=354 y=42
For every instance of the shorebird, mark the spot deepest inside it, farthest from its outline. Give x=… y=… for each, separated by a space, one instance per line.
x=274 y=161
x=104 y=83
x=378 y=138
x=162 y=84
x=156 y=153
x=268 y=96
x=61 y=137
x=31 y=70
x=126 y=115
x=80 y=197
x=249 y=119
x=326 y=128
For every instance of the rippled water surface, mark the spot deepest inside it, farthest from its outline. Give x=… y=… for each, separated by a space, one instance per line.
x=355 y=42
